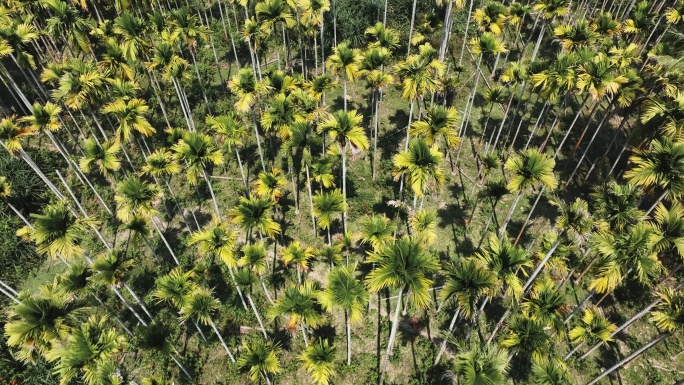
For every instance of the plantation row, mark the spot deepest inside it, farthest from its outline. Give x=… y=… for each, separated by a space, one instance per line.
x=216 y=192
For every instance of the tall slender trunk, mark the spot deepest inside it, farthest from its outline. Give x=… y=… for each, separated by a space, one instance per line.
x=348 y=326
x=539 y=40
x=629 y=358
x=465 y=34
x=567 y=132
x=413 y=19
x=128 y=305
x=223 y=343
x=308 y=188
x=406 y=146
x=529 y=215
x=579 y=306
x=393 y=334
x=256 y=134
x=256 y=313
x=263 y=285
x=573 y=351
x=182 y=368
x=446 y=29
x=586 y=150
x=344 y=82
x=163 y=238
x=138 y=301
x=303 y=329
x=612 y=142
x=211 y=191
x=376 y=119
x=9 y=292
x=660 y=199
x=498 y=325
x=622 y=327
x=19 y=214
x=533 y=276
x=502 y=230
x=344 y=187
x=442 y=347
x=237 y=287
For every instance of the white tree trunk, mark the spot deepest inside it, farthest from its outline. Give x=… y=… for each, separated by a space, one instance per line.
x=223 y=343
x=629 y=358
x=442 y=347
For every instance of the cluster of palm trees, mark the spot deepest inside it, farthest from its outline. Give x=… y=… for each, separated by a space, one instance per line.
x=147 y=123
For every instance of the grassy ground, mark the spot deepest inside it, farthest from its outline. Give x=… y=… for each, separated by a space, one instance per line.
x=419 y=337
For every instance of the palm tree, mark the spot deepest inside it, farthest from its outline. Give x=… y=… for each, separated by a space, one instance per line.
x=622 y=254
x=594 y=328
x=200 y=306
x=156 y=338
x=420 y=74
x=103 y=157
x=299 y=256
x=550 y=372
x=466 y=282
x=547 y=304
x=11 y=134
x=345 y=292
x=175 y=288
x=406 y=266
x=255 y=257
x=318 y=359
x=58 y=232
x=89 y=352
x=421 y=167
x=253 y=213
x=244 y=279
x=326 y=205
x=331 y=255
x=661 y=166
x=344 y=127
x=668 y=318
x=247 y=89
x=377 y=231
x=161 y=164
x=39 y=321
x=261 y=359
x=269 y=185
x=135 y=197
x=506 y=261
x=300 y=305
x=281 y=114
x=219 y=241
x=527 y=336
x=482 y=365
x=618 y=205
x=272 y=12
x=129 y=113
x=574 y=219
x=312 y=15
x=669 y=229
x=529 y=168
x=199 y=153
x=547 y=10
x=423 y=226
x=439 y=126
x=6 y=195
x=486 y=45
x=322 y=173
x=232 y=131
x=376 y=80
x=110 y=271
x=345 y=61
